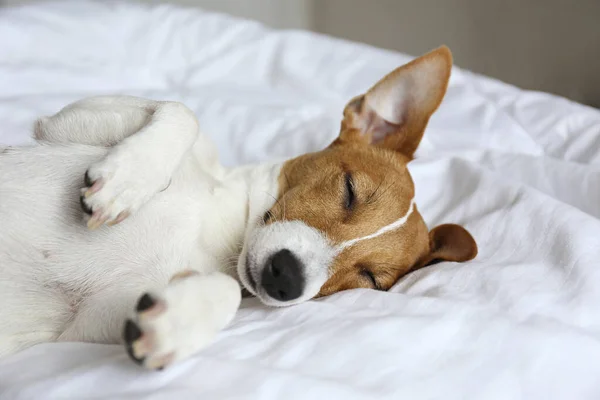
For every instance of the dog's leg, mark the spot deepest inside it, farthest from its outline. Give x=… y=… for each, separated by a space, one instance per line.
x=180 y=320
x=150 y=139
x=96 y=121
x=140 y=166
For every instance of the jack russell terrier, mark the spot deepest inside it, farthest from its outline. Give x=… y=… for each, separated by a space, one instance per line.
x=168 y=233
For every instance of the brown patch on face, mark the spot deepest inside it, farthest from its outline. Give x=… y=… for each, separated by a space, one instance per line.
x=315 y=190
x=361 y=183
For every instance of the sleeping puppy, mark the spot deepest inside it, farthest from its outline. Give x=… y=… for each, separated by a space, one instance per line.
x=168 y=234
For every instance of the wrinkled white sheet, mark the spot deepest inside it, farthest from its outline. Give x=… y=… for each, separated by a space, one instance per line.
x=520 y=170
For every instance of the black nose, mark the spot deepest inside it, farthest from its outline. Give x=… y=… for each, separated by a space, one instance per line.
x=282 y=277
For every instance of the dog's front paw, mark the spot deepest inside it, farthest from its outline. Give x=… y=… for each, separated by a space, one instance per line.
x=185 y=317
x=117 y=186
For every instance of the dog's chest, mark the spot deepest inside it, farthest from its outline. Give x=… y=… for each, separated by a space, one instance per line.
x=188 y=226
x=197 y=222
x=192 y=224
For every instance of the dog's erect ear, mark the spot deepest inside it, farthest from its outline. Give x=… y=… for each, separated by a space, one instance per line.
x=395 y=112
x=449 y=242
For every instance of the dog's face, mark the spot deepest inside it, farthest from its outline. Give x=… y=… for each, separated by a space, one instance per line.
x=344 y=217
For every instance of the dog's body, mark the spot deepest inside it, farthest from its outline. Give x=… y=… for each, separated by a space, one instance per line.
x=61 y=281
x=186 y=229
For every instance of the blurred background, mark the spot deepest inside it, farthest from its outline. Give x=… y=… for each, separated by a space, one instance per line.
x=546 y=45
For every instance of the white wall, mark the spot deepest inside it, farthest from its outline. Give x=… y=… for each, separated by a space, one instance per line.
x=549 y=45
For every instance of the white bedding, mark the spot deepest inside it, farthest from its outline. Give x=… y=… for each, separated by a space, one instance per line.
x=520 y=170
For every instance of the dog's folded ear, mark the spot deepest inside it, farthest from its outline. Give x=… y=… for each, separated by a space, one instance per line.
x=449 y=242
x=395 y=111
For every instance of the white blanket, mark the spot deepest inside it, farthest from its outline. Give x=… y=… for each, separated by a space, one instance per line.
x=520 y=170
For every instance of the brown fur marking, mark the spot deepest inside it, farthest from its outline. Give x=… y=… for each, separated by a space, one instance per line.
x=375 y=152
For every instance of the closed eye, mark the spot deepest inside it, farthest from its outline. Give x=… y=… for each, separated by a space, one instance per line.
x=267 y=217
x=350 y=198
x=365 y=272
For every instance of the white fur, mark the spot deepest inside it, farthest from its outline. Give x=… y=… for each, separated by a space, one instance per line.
x=315 y=251
x=61 y=281
x=308 y=244
x=397 y=224
x=177 y=332
x=64 y=282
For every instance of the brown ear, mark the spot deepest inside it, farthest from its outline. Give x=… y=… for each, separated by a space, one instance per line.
x=449 y=242
x=395 y=112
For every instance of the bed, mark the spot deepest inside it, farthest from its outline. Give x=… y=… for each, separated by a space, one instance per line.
x=519 y=169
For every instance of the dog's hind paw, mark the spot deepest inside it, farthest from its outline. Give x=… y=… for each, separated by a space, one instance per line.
x=185 y=317
x=118 y=186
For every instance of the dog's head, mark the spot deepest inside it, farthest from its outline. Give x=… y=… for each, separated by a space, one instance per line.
x=345 y=216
